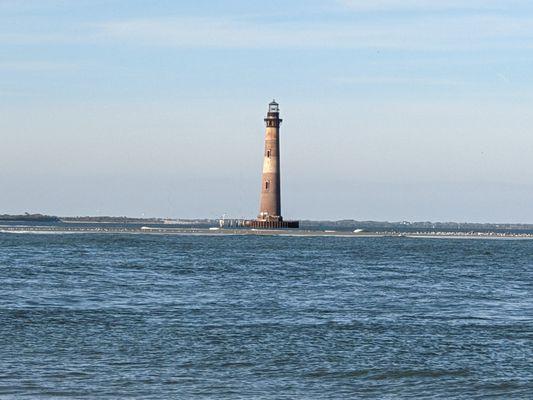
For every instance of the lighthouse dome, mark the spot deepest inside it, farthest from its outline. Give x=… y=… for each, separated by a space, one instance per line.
x=273 y=106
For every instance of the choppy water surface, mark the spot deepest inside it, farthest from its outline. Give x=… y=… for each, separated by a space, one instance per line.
x=240 y=317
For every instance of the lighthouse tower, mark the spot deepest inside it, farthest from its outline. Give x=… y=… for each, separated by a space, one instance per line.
x=270 y=205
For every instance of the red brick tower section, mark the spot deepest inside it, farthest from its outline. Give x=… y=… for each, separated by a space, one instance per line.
x=270 y=205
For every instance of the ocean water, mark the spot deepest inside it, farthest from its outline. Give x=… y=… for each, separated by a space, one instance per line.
x=102 y=316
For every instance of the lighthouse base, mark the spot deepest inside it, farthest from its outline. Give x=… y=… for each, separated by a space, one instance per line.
x=264 y=224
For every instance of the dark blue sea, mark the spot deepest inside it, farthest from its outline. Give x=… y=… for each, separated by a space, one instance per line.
x=131 y=316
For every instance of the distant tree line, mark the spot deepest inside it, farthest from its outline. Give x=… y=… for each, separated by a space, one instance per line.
x=29 y=217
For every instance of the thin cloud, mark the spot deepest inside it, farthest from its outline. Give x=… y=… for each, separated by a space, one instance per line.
x=35 y=66
x=423 y=33
x=396 y=80
x=408 y=31
x=18 y=93
x=431 y=5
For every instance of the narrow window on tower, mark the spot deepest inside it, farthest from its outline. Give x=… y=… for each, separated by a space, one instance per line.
x=267 y=185
x=268 y=153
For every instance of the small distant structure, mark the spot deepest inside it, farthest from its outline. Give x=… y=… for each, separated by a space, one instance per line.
x=270 y=204
x=224 y=222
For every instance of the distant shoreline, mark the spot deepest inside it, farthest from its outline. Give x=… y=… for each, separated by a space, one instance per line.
x=344 y=225
x=70 y=221
x=260 y=232
x=28 y=218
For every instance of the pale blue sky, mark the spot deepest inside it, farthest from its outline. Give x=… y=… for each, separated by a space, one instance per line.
x=393 y=110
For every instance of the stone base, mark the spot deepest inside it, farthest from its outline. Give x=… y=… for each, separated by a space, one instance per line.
x=256 y=223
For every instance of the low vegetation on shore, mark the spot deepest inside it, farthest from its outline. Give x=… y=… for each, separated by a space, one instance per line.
x=29 y=218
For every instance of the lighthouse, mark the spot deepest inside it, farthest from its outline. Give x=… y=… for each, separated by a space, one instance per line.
x=270 y=199
x=270 y=204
